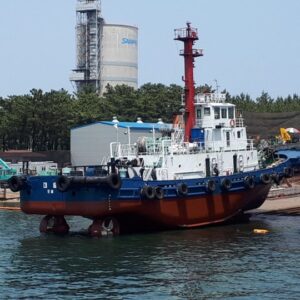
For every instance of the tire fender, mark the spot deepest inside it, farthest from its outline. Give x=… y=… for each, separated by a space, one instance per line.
x=182 y=189
x=17 y=183
x=114 y=181
x=159 y=192
x=211 y=186
x=226 y=184
x=249 y=182
x=63 y=183
x=265 y=178
x=148 y=192
x=288 y=172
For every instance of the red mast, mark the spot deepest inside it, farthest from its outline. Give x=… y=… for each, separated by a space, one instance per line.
x=188 y=36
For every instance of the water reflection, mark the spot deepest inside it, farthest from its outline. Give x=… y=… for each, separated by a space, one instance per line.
x=224 y=262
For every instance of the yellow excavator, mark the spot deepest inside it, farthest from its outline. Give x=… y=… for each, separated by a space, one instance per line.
x=285 y=136
x=289 y=137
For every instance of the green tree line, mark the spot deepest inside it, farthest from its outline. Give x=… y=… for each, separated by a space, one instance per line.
x=41 y=121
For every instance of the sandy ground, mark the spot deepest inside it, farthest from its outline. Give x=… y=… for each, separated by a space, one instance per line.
x=284 y=204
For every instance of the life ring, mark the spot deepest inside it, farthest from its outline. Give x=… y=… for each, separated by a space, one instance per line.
x=226 y=184
x=288 y=172
x=182 y=189
x=211 y=186
x=249 y=182
x=148 y=192
x=232 y=123
x=159 y=192
x=16 y=183
x=265 y=178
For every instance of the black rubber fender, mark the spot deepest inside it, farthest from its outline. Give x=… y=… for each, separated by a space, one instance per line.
x=226 y=184
x=182 y=189
x=159 y=192
x=249 y=182
x=17 y=183
x=288 y=172
x=148 y=192
x=276 y=178
x=114 y=181
x=265 y=178
x=211 y=186
x=63 y=183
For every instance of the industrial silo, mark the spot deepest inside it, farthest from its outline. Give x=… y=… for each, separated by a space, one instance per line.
x=106 y=53
x=119 y=61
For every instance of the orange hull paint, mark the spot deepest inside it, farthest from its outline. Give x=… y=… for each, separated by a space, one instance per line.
x=176 y=212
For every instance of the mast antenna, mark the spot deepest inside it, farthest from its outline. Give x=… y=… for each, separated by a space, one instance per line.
x=217 y=86
x=188 y=36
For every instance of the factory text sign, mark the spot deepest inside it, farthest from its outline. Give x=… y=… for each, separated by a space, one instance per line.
x=126 y=41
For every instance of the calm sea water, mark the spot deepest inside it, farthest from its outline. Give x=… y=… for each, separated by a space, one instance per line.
x=228 y=262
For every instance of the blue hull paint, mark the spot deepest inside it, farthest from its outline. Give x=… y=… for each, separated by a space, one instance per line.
x=43 y=188
x=198 y=207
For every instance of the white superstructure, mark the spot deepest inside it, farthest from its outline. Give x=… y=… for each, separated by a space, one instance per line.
x=219 y=146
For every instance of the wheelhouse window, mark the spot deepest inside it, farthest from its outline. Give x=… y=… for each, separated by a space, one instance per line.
x=217 y=112
x=199 y=115
x=239 y=134
x=228 y=138
x=206 y=111
x=224 y=113
x=230 y=112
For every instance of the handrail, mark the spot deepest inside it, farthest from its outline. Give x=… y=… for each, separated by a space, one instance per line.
x=210 y=98
x=184 y=33
x=194 y=52
x=239 y=122
x=168 y=147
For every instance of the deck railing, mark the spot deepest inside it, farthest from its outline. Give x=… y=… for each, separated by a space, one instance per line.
x=239 y=122
x=168 y=147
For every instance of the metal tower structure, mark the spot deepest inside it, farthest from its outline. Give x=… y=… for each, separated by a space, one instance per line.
x=188 y=36
x=88 y=42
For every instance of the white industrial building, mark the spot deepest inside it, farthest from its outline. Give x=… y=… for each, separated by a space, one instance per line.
x=106 y=53
x=90 y=144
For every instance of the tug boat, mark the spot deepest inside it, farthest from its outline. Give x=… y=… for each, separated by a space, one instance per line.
x=202 y=171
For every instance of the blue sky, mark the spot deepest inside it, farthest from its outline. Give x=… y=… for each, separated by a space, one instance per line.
x=249 y=45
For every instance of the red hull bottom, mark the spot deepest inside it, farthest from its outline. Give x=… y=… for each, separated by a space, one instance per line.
x=184 y=212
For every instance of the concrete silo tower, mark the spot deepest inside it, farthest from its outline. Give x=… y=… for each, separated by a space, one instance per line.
x=106 y=53
x=119 y=56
